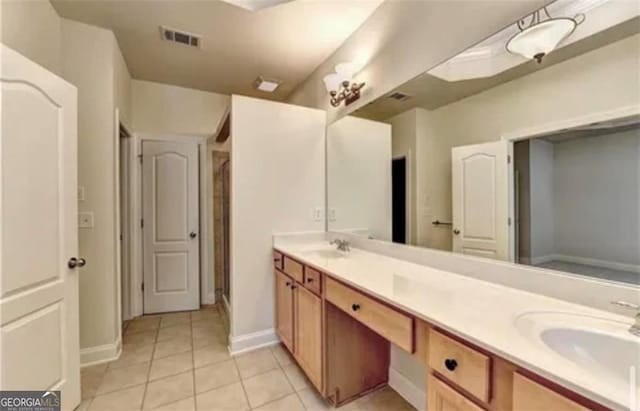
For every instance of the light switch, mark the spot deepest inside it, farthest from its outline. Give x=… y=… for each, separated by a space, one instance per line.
x=85 y=219
x=317 y=214
x=332 y=214
x=80 y=193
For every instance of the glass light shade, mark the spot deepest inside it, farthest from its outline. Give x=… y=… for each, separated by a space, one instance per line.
x=347 y=70
x=540 y=39
x=332 y=82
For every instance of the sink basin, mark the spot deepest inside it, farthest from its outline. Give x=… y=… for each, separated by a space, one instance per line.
x=326 y=253
x=599 y=346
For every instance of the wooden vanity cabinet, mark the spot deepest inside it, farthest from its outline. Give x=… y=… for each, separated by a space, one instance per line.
x=284 y=309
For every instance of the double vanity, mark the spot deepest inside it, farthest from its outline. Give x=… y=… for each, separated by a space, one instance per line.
x=483 y=345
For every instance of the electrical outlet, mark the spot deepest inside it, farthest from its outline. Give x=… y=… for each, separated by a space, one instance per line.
x=85 y=219
x=332 y=214
x=317 y=214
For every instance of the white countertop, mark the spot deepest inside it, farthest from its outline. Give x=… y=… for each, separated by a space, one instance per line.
x=481 y=312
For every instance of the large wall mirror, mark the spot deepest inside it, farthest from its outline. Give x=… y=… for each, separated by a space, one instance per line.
x=502 y=156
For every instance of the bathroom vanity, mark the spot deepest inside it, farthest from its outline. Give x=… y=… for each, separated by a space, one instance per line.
x=338 y=312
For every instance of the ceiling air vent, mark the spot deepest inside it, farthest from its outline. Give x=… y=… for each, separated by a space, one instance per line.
x=180 y=37
x=399 y=96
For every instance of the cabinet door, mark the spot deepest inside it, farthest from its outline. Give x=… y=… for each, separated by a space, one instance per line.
x=284 y=309
x=441 y=397
x=308 y=334
x=529 y=396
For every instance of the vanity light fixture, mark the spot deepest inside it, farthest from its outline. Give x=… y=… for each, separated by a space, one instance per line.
x=540 y=35
x=267 y=85
x=341 y=86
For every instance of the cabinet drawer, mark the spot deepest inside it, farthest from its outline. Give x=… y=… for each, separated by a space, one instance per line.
x=312 y=280
x=441 y=397
x=293 y=268
x=277 y=260
x=389 y=323
x=461 y=364
x=529 y=396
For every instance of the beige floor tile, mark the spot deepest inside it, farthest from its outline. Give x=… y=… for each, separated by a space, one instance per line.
x=188 y=404
x=228 y=398
x=168 y=390
x=255 y=362
x=216 y=375
x=175 y=331
x=385 y=399
x=133 y=354
x=124 y=400
x=174 y=346
x=313 y=401
x=282 y=355
x=171 y=365
x=143 y=324
x=140 y=338
x=202 y=315
x=267 y=387
x=202 y=341
x=209 y=330
x=98 y=368
x=118 y=378
x=296 y=377
x=168 y=320
x=90 y=380
x=210 y=354
x=288 y=403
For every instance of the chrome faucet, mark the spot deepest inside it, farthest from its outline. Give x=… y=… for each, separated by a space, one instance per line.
x=343 y=245
x=635 y=328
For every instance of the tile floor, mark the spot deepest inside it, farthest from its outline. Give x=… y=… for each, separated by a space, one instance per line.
x=180 y=362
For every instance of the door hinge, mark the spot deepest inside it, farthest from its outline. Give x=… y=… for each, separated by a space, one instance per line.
x=509 y=221
x=142 y=286
x=140 y=157
x=508 y=159
x=142 y=223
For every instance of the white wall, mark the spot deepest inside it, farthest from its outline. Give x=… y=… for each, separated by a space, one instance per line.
x=601 y=80
x=359 y=176
x=403 y=143
x=33 y=29
x=597 y=194
x=93 y=63
x=165 y=109
x=277 y=180
x=541 y=200
x=402 y=39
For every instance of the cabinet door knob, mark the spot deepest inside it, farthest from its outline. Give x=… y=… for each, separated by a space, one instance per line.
x=456 y=231
x=355 y=307
x=293 y=286
x=288 y=283
x=451 y=364
x=309 y=280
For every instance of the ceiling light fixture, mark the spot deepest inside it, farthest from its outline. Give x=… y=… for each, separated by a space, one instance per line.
x=266 y=85
x=340 y=85
x=539 y=36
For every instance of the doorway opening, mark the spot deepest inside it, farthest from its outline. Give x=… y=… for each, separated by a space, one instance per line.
x=221 y=195
x=124 y=152
x=399 y=200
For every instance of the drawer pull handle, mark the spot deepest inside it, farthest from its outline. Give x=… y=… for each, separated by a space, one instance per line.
x=309 y=280
x=355 y=307
x=451 y=364
x=288 y=283
x=293 y=286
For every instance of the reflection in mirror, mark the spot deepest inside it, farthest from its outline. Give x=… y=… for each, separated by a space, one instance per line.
x=495 y=155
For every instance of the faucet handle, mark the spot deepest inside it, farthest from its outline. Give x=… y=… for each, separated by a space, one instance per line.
x=625 y=304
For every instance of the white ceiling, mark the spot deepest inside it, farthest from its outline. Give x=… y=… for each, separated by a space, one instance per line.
x=285 y=42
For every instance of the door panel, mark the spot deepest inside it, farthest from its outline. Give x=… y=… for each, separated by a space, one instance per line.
x=171 y=215
x=308 y=334
x=39 y=325
x=480 y=200
x=284 y=309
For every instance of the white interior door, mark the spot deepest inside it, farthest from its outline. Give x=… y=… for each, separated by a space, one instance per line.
x=171 y=226
x=480 y=189
x=38 y=220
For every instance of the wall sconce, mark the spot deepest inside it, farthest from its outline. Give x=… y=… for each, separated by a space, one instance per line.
x=340 y=85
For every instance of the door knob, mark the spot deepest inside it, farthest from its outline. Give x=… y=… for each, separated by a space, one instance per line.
x=76 y=262
x=193 y=234
x=456 y=231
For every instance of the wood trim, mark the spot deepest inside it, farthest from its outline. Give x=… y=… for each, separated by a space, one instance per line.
x=225 y=130
x=528 y=395
x=313 y=280
x=293 y=269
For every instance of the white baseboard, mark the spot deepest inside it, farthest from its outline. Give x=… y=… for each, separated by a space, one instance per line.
x=210 y=299
x=408 y=390
x=249 y=342
x=612 y=265
x=100 y=354
x=542 y=259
